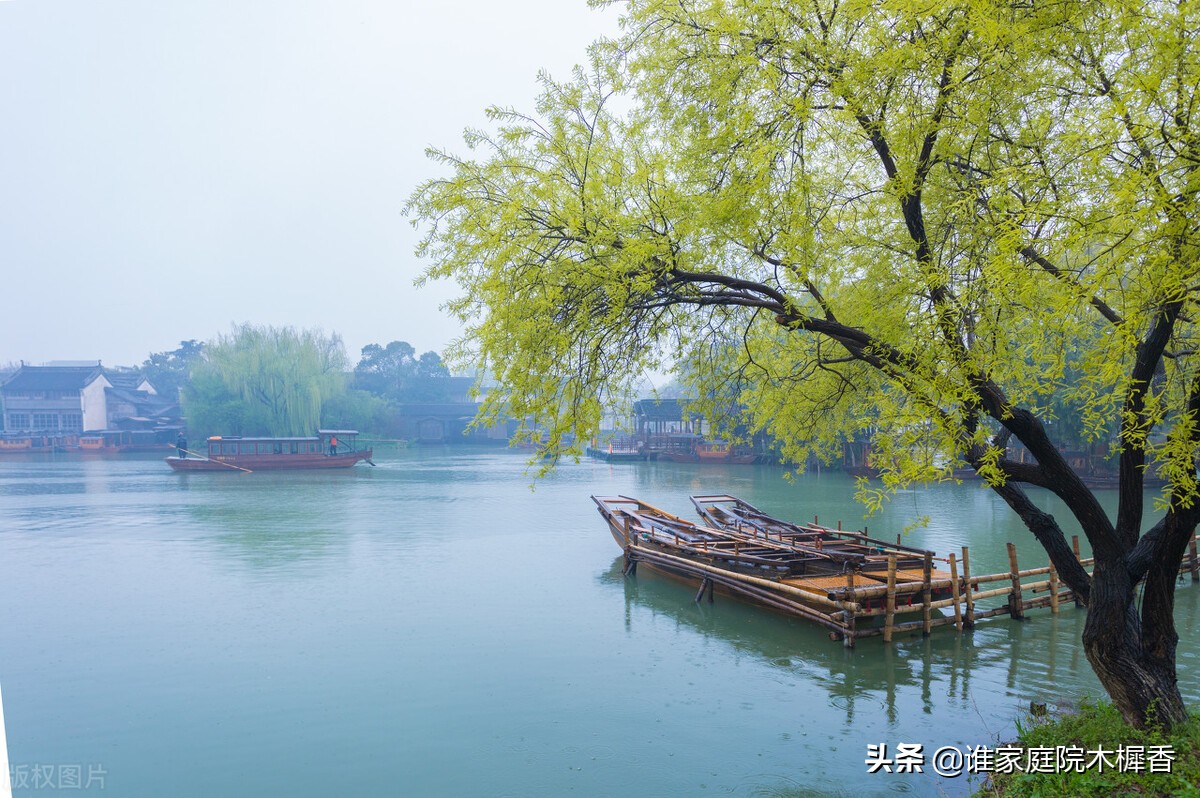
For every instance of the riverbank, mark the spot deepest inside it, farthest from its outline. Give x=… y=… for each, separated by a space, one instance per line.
x=1092 y=753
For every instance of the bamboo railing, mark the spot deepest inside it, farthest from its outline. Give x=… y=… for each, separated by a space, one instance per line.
x=850 y=612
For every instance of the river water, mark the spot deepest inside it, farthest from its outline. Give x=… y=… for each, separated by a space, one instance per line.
x=434 y=627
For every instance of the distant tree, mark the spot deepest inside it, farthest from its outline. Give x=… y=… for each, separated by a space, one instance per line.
x=430 y=365
x=168 y=372
x=363 y=411
x=266 y=380
x=383 y=369
x=211 y=407
x=395 y=373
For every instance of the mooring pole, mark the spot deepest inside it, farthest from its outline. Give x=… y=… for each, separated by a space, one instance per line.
x=1053 y=588
x=969 y=621
x=1015 y=606
x=955 y=592
x=927 y=595
x=1193 y=564
x=889 y=615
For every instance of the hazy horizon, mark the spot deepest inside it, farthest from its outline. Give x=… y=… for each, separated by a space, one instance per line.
x=172 y=170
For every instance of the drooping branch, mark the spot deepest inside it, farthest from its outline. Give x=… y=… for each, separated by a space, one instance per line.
x=1035 y=257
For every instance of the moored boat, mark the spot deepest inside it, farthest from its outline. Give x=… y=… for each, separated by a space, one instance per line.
x=634 y=523
x=774 y=574
x=721 y=452
x=327 y=449
x=817 y=579
x=731 y=513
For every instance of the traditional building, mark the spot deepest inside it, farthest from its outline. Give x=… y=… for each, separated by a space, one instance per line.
x=59 y=399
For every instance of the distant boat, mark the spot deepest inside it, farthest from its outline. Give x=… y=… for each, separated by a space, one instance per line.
x=721 y=452
x=238 y=453
x=115 y=441
x=621 y=452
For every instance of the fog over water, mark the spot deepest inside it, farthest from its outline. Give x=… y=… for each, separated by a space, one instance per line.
x=432 y=627
x=171 y=168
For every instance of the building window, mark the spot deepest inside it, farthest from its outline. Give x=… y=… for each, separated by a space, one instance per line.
x=72 y=421
x=45 y=421
x=18 y=421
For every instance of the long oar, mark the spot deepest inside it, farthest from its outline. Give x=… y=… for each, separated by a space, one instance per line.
x=218 y=462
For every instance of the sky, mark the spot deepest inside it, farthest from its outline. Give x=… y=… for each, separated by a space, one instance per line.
x=170 y=169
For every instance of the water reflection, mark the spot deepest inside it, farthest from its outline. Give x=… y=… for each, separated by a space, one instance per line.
x=269 y=521
x=1038 y=659
x=435 y=618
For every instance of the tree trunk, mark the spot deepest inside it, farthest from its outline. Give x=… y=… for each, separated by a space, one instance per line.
x=1141 y=683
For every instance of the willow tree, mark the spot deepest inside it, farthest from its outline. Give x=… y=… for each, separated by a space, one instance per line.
x=915 y=214
x=265 y=381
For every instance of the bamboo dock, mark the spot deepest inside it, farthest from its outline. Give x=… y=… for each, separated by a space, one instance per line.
x=882 y=594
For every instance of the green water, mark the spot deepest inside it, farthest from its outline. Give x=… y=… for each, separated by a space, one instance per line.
x=432 y=627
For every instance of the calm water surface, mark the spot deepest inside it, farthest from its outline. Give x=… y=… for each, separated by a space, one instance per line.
x=432 y=627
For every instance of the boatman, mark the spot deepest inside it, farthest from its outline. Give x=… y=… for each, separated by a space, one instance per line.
x=181 y=446
x=332 y=445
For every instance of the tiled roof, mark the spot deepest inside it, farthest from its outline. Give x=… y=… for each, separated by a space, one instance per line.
x=50 y=378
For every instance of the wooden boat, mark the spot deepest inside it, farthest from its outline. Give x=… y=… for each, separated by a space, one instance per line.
x=22 y=443
x=782 y=575
x=113 y=441
x=731 y=513
x=619 y=454
x=659 y=529
x=788 y=574
x=242 y=454
x=718 y=452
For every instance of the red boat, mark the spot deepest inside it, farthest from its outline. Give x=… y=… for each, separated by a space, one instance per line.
x=327 y=449
x=720 y=452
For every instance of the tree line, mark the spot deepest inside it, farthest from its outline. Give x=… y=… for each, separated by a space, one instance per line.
x=280 y=381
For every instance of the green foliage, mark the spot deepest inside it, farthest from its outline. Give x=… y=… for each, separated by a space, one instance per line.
x=168 y=372
x=952 y=224
x=395 y=373
x=360 y=410
x=265 y=381
x=908 y=217
x=211 y=408
x=1095 y=727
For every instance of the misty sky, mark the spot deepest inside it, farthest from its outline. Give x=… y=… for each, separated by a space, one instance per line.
x=171 y=167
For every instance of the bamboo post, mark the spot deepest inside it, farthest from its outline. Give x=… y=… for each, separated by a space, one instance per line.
x=630 y=541
x=705 y=584
x=1075 y=548
x=927 y=594
x=1193 y=564
x=848 y=638
x=954 y=591
x=1015 y=608
x=966 y=561
x=1053 y=588
x=889 y=616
